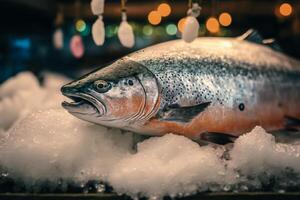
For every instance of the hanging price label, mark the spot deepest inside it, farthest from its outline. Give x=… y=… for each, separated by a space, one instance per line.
x=191 y=27
x=98 y=30
x=125 y=32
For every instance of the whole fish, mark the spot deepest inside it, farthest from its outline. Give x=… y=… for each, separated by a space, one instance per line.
x=212 y=85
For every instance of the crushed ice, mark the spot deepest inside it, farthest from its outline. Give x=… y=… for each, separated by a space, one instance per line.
x=42 y=146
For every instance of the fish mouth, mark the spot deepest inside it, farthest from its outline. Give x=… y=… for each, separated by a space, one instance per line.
x=84 y=104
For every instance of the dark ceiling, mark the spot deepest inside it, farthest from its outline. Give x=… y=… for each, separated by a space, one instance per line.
x=34 y=19
x=38 y=15
x=19 y=16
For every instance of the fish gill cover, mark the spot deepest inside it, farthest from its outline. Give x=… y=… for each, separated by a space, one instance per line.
x=43 y=148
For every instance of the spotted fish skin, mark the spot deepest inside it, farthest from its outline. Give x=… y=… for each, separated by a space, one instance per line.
x=241 y=84
x=244 y=82
x=223 y=70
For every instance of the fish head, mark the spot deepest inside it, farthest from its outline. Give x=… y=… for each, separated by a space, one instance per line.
x=120 y=95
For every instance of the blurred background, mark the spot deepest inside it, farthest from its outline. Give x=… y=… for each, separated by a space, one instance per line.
x=28 y=27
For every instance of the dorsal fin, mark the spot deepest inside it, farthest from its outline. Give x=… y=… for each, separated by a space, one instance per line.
x=272 y=44
x=252 y=36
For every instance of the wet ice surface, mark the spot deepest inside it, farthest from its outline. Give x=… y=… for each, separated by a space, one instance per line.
x=45 y=149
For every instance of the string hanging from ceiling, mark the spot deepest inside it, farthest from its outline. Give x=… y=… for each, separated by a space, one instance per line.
x=58 y=35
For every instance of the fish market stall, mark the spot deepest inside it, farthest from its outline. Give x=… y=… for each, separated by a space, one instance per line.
x=160 y=99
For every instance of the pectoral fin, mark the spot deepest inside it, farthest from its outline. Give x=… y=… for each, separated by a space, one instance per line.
x=292 y=123
x=218 y=138
x=182 y=114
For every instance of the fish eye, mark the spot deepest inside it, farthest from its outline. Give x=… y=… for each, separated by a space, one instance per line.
x=130 y=82
x=102 y=86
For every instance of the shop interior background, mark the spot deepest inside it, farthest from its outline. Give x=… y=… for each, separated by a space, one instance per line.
x=27 y=28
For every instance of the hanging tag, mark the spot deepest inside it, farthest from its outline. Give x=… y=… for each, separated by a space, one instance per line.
x=190 y=31
x=97 y=7
x=98 y=31
x=125 y=32
x=191 y=27
x=58 y=39
x=76 y=46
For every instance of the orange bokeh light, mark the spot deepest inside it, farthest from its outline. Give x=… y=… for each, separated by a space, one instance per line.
x=285 y=9
x=164 y=9
x=225 y=19
x=181 y=24
x=212 y=25
x=154 y=18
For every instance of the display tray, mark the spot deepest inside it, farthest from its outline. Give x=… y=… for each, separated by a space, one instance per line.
x=202 y=196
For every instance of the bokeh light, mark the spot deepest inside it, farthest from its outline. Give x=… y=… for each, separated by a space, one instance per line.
x=225 y=19
x=285 y=9
x=154 y=18
x=164 y=9
x=212 y=25
x=147 y=30
x=80 y=25
x=160 y=31
x=77 y=46
x=171 y=29
x=111 y=31
x=181 y=24
x=87 y=31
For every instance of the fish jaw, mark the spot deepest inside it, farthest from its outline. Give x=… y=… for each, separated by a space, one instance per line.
x=84 y=105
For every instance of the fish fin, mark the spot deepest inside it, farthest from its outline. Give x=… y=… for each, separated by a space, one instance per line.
x=272 y=43
x=205 y=143
x=252 y=35
x=138 y=138
x=175 y=112
x=292 y=124
x=286 y=136
x=218 y=138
